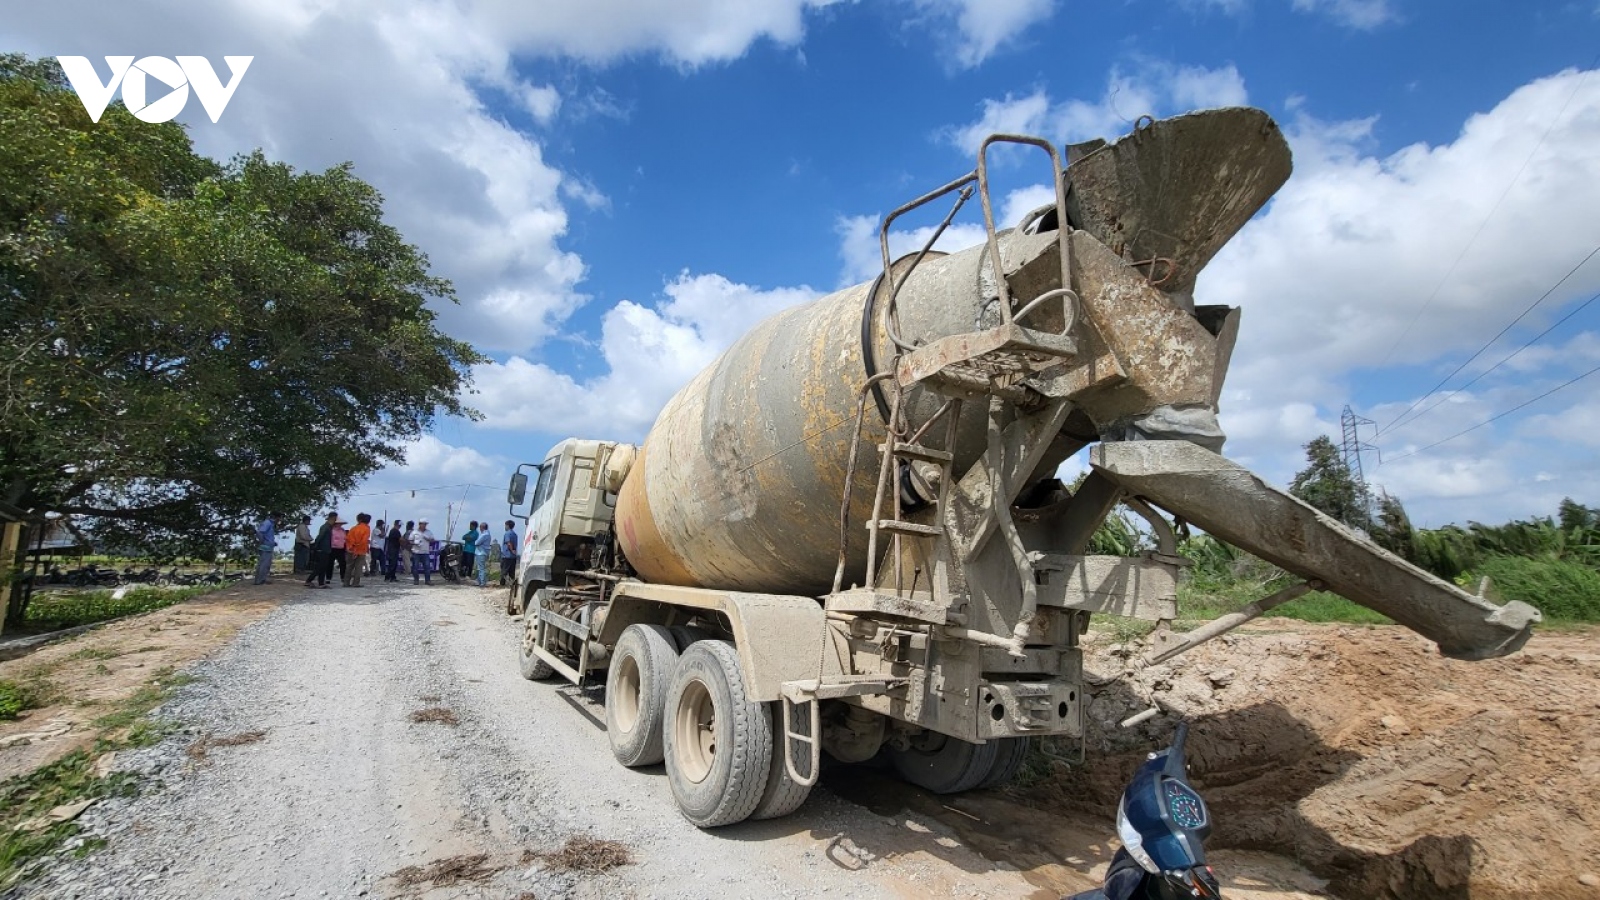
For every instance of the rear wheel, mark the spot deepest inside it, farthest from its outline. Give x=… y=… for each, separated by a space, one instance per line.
x=636 y=693
x=684 y=635
x=1008 y=758
x=782 y=795
x=944 y=765
x=718 y=743
x=533 y=668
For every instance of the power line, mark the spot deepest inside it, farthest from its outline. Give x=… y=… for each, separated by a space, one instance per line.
x=1492 y=210
x=1526 y=344
x=1508 y=412
x=442 y=487
x=1415 y=403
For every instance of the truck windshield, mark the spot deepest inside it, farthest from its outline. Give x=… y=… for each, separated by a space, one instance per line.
x=547 y=483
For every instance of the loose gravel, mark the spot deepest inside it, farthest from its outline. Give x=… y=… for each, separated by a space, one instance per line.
x=344 y=791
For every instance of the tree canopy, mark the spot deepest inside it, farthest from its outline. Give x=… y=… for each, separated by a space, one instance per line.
x=187 y=345
x=1328 y=484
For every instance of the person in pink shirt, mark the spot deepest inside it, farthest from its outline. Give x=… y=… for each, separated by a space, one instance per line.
x=338 y=547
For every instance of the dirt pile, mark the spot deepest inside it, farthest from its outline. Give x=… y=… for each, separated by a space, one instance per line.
x=1360 y=752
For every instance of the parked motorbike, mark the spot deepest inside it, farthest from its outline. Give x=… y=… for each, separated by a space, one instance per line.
x=1163 y=824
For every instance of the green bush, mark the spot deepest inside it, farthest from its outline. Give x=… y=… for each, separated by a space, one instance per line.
x=14 y=698
x=1563 y=590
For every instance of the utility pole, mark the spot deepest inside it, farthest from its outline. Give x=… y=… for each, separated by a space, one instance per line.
x=1351 y=447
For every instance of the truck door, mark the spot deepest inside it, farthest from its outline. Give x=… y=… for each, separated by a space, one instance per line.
x=544 y=518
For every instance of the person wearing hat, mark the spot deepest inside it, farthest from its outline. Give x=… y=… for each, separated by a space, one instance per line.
x=421 y=544
x=322 y=552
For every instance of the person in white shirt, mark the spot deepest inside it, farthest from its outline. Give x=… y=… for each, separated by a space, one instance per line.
x=421 y=544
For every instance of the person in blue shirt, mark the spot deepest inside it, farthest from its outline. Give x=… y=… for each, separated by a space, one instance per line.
x=469 y=549
x=508 y=553
x=266 y=545
x=483 y=550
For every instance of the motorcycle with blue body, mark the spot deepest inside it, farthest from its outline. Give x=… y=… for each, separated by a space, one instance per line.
x=1163 y=824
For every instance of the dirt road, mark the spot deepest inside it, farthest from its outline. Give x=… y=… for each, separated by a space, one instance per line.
x=301 y=772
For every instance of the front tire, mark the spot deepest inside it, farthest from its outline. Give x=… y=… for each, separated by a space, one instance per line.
x=636 y=693
x=533 y=668
x=718 y=742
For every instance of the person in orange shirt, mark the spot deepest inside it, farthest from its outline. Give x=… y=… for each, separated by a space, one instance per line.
x=357 y=541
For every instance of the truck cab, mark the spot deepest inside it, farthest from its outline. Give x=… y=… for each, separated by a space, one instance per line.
x=566 y=504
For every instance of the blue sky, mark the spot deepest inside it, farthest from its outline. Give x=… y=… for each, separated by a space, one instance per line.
x=619 y=188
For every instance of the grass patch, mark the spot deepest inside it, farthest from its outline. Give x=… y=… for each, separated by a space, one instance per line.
x=1202 y=601
x=1563 y=590
x=16 y=697
x=62 y=609
x=1320 y=606
x=96 y=653
x=143 y=700
x=71 y=779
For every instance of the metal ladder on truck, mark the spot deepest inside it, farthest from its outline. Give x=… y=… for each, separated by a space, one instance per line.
x=989 y=361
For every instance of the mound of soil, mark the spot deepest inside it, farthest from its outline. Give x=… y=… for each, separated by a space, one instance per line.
x=1363 y=754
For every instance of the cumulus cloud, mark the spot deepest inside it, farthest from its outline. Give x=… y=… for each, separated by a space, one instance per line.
x=439 y=482
x=1336 y=278
x=984 y=26
x=1155 y=88
x=649 y=352
x=862 y=254
x=1362 y=15
x=685 y=32
x=400 y=89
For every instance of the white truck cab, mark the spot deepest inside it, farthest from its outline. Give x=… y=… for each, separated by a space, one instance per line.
x=567 y=516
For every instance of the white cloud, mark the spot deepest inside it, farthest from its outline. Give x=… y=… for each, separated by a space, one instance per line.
x=984 y=26
x=397 y=89
x=1157 y=88
x=1362 y=15
x=1372 y=239
x=439 y=482
x=863 y=255
x=649 y=352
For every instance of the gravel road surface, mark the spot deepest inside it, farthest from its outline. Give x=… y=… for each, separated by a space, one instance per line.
x=343 y=791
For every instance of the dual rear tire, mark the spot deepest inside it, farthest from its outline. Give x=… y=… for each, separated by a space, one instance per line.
x=723 y=751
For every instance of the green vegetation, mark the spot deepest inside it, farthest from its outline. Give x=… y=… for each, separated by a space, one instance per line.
x=16 y=697
x=1552 y=564
x=166 y=329
x=1565 y=591
x=67 y=609
x=72 y=779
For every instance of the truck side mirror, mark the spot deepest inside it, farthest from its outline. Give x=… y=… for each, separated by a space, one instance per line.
x=518 y=490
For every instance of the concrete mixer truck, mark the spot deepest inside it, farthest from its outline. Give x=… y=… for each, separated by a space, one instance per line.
x=846 y=534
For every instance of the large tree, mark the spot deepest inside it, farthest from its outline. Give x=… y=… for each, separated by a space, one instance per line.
x=184 y=345
x=1328 y=484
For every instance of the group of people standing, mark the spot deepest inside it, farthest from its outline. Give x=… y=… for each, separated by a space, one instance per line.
x=370 y=550
x=335 y=546
x=479 y=546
